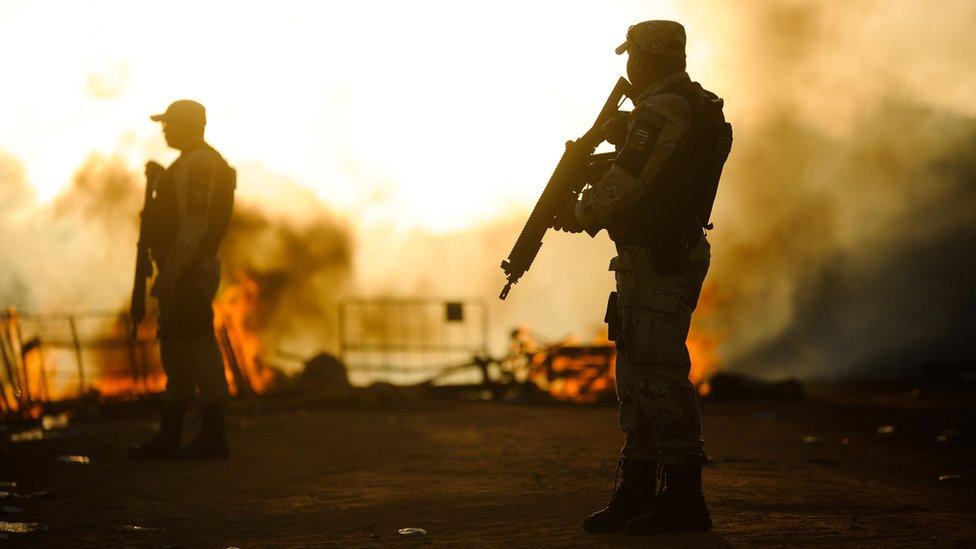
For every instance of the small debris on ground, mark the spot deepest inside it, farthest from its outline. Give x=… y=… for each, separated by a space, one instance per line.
x=28 y=435
x=886 y=429
x=75 y=459
x=50 y=422
x=949 y=478
x=412 y=532
x=21 y=527
x=30 y=495
x=811 y=440
x=136 y=528
x=948 y=435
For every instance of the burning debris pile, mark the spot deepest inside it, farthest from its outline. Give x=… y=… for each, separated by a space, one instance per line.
x=583 y=372
x=281 y=281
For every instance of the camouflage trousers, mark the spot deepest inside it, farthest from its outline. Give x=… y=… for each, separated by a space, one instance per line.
x=191 y=357
x=658 y=403
x=192 y=364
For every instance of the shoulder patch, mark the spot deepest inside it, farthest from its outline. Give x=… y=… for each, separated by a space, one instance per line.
x=640 y=143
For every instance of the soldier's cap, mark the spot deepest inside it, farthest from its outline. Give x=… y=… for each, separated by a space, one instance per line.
x=184 y=110
x=655 y=37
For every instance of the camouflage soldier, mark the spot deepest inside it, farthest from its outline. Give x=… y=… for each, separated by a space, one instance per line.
x=655 y=201
x=186 y=221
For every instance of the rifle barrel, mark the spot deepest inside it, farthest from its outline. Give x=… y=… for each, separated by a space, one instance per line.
x=565 y=181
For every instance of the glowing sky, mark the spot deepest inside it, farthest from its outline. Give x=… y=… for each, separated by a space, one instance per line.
x=437 y=115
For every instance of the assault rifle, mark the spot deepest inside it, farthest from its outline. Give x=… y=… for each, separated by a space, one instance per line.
x=144 y=269
x=575 y=169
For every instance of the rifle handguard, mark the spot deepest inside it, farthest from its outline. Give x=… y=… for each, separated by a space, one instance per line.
x=567 y=179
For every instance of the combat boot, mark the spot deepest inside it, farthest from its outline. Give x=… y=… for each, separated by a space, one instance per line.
x=165 y=443
x=212 y=442
x=680 y=506
x=631 y=497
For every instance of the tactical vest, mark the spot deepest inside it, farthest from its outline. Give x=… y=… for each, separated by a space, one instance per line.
x=670 y=217
x=163 y=214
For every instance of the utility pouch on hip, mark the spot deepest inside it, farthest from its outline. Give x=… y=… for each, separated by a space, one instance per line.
x=612 y=318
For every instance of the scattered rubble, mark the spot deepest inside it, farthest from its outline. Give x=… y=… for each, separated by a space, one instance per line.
x=31 y=495
x=74 y=459
x=136 y=528
x=21 y=527
x=325 y=376
x=51 y=422
x=948 y=436
x=732 y=386
x=28 y=435
x=412 y=532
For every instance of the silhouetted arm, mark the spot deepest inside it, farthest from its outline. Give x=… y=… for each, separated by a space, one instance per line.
x=193 y=181
x=655 y=130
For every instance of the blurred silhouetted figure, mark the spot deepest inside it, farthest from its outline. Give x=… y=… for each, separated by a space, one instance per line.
x=184 y=223
x=655 y=201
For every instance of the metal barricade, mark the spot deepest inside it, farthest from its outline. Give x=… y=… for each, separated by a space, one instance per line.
x=412 y=340
x=66 y=356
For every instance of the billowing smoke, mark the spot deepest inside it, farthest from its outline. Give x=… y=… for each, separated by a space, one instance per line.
x=851 y=196
x=74 y=254
x=849 y=256
x=302 y=269
x=77 y=253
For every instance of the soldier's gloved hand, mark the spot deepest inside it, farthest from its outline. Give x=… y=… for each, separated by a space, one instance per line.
x=615 y=128
x=154 y=170
x=566 y=219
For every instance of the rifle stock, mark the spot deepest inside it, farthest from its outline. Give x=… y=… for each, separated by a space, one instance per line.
x=567 y=181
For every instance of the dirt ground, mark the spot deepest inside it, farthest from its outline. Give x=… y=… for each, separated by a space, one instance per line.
x=488 y=474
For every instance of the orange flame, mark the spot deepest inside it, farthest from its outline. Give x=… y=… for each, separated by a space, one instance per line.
x=235 y=320
x=585 y=372
x=115 y=364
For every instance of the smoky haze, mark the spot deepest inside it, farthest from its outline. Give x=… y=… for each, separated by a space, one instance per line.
x=850 y=202
x=844 y=222
x=77 y=253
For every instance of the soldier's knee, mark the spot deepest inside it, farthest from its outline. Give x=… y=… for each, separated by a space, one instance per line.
x=180 y=388
x=633 y=419
x=662 y=397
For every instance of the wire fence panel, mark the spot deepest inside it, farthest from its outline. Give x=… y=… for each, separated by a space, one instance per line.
x=411 y=340
x=54 y=357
